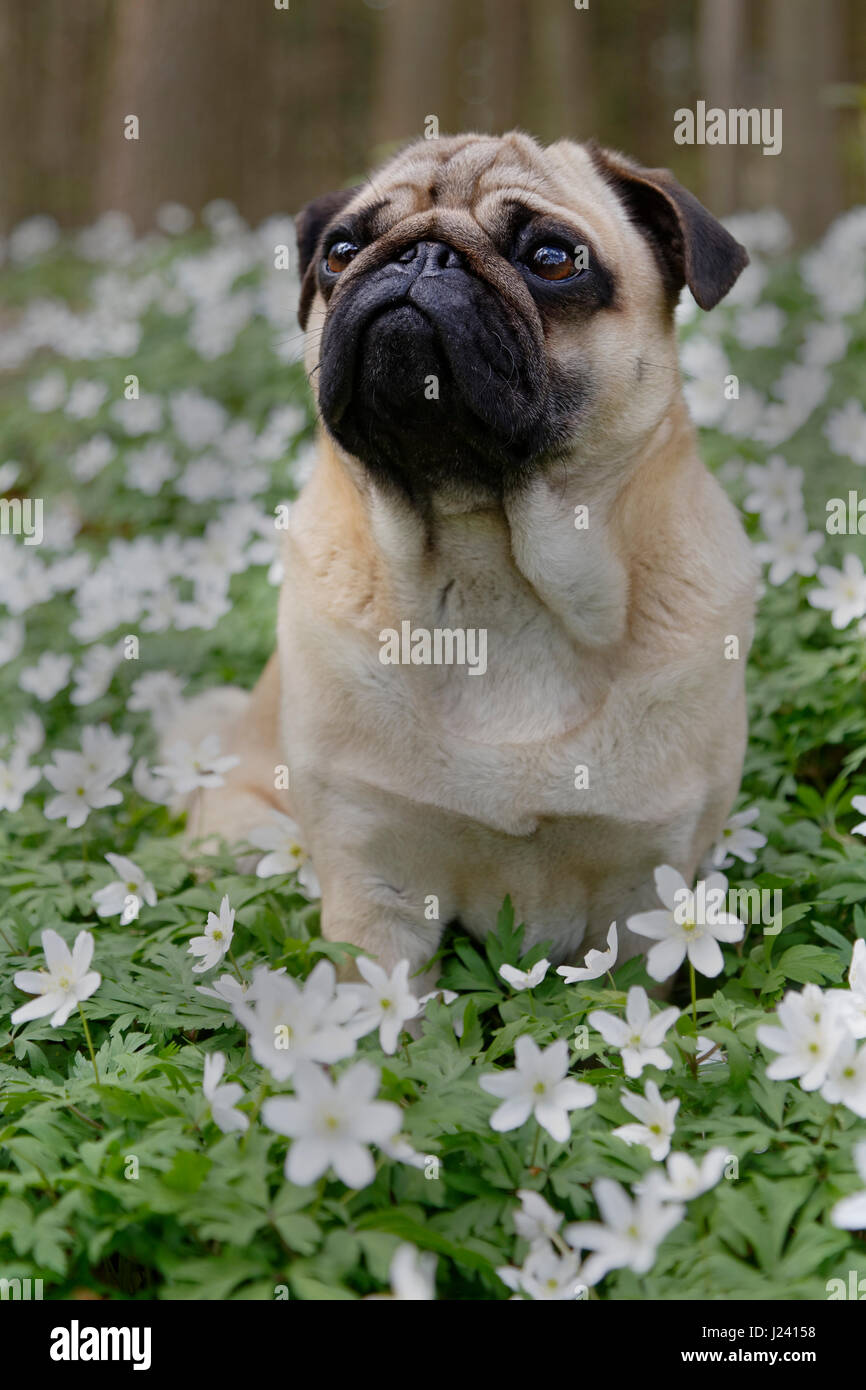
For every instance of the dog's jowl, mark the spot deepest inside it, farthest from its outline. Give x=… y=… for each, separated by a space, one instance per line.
x=490 y=334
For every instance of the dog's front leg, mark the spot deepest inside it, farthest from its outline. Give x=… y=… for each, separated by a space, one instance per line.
x=360 y=914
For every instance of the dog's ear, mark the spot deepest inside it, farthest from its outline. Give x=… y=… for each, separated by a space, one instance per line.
x=310 y=223
x=690 y=245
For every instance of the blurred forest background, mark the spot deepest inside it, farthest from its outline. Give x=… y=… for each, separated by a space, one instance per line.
x=268 y=107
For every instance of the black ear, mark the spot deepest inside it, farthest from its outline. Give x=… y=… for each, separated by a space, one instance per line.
x=310 y=223
x=690 y=245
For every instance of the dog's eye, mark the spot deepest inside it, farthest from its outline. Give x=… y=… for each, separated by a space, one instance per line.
x=552 y=263
x=340 y=254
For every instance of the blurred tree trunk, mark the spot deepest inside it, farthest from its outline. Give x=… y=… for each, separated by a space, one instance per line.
x=723 y=70
x=268 y=107
x=804 y=41
x=414 y=77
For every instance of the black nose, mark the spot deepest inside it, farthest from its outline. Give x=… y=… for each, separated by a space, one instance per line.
x=430 y=258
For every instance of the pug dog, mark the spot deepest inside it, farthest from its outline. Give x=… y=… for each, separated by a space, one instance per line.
x=505 y=458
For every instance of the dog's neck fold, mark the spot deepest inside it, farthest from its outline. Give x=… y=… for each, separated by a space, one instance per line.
x=569 y=539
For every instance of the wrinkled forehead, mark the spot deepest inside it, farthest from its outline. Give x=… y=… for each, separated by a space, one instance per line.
x=485 y=177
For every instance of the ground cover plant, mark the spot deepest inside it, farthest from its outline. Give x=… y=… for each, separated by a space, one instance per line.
x=192 y=1107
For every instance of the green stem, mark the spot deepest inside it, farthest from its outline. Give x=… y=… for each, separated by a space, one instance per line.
x=8 y=942
x=535 y=1144
x=257 y=1105
x=89 y=1042
x=693 y=1057
x=231 y=956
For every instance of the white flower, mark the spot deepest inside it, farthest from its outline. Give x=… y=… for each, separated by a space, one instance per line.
x=190 y=766
x=204 y=478
x=282 y=838
x=812 y=1025
x=524 y=979
x=853 y=1000
x=91 y=457
x=858 y=804
x=412 y=1275
x=777 y=489
x=29 y=735
x=197 y=420
x=745 y=413
x=106 y=754
x=857 y=968
x=48 y=677
x=801 y=387
x=85 y=398
x=227 y=989
x=843 y=592
x=140 y=416
x=17 y=778
x=159 y=694
x=223 y=1099
x=846 y=1077
x=155 y=789
x=400 y=1150
x=759 y=327
x=737 y=841
x=331 y=1124
x=707 y=366
x=678 y=932
x=545 y=1275
x=173 y=218
x=631 y=1234
x=94 y=675
x=80 y=789
x=639 y=1035
x=48 y=393
x=293 y=1022
x=763 y=233
x=685 y=1179
x=384 y=1002
x=32 y=238
x=845 y=431
x=217 y=938
x=709 y=1053
x=535 y=1221
x=9 y=471
x=824 y=343
x=850 y=1213
x=149 y=467
x=789 y=549
x=656 y=1117
x=11 y=640
x=66 y=982
x=595 y=963
x=123 y=897
x=537 y=1085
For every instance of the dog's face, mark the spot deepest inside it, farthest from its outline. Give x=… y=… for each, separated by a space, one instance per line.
x=482 y=307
